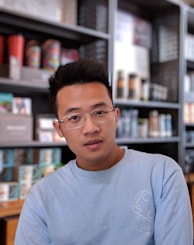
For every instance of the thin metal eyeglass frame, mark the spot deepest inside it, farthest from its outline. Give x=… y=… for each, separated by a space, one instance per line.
x=84 y=118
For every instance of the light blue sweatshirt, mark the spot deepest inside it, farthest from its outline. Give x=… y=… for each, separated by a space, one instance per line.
x=142 y=200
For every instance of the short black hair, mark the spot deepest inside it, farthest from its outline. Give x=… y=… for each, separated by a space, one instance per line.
x=78 y=72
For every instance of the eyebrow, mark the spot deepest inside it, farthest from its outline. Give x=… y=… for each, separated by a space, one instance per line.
x=99 y=104
x=69 y=110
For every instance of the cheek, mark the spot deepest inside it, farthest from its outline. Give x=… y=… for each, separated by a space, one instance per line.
x=73 y=144
x=71 y=137
x=109 y=129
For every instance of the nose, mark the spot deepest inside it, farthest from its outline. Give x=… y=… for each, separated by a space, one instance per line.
x=90 y=126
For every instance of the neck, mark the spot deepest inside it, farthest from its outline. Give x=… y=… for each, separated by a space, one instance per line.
x=102 y=164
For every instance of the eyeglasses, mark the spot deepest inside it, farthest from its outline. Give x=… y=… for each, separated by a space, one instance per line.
x=77 y=120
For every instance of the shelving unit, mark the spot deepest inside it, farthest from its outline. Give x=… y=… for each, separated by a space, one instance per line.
x=10 y=208
x=80 y=36
x=71 y=36
x=169 y=21
x=168 y=72
x=165 y=54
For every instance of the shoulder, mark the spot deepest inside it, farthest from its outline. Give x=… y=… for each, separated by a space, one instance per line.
x=151 y=158
x=54 y=180
x=159 y=172
x=152 y=163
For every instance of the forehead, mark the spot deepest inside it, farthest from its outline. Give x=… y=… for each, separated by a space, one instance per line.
x=82 y=95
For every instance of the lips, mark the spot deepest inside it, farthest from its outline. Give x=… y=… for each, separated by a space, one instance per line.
x=92 y=144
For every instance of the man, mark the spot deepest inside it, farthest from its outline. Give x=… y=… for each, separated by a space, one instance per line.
x=107 y=195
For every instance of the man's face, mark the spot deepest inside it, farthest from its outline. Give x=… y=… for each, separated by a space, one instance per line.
x=93 y=143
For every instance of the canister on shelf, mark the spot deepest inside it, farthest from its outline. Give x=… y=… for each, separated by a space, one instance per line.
x=120 y=84
x=143 y=127
x=144 y=89
x=51 y=51
x=134 y=87
x=154 y=124
x=169 y=129
x=33 y=54
x=16 y=48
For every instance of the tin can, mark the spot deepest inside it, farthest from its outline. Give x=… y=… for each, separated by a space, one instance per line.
x=33 y=54
x=16 y=48
x=51 y=50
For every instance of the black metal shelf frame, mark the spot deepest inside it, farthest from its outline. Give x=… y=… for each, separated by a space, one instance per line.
x=21 y=22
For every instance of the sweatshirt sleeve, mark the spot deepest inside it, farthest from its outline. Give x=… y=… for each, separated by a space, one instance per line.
x=32 y=229
x=173 y=220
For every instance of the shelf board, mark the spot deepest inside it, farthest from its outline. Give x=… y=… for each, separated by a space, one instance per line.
x=60 y=30
x=148 y=104
x=189 y=178
x=147 y=140
x=189 y=125
x=31 y=144
x=189 y=144
x=35 y=86
x=10 y=208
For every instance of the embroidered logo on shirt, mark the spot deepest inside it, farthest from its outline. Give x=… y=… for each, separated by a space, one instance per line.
x=143 y=206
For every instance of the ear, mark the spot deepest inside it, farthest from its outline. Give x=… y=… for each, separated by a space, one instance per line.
x=117 y=114
x=57 y=128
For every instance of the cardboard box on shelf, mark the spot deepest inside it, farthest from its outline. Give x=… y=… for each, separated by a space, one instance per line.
x=6 y=174
x=49 y=155
x=44 y=130
x=6 y=102
x=15 y=128
x=12 y=71
x=37 y=76
x=8 y=191
x=27 y=173
x=28 y=74
x=23 y=156
x=6 y=158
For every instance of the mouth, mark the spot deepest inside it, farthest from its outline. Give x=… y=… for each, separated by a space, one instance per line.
x=93 y=144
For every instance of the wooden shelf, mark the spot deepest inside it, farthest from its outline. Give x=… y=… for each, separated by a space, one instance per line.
x=190 y=181
x=189 y=178
x=10 y=208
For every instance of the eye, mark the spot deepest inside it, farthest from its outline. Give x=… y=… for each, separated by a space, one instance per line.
x=74 y=118
x=100 y=113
